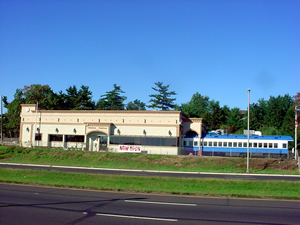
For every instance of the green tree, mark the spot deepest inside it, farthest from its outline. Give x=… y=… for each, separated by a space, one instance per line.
x=277 y=108
x=11 y=125
x=41 y=94
x=197 y=107
x=217 y=115
x=136 y=105
x=162 y=100
x=234 y=120
x=77 y=99
x=112 y=100
x=257 y=113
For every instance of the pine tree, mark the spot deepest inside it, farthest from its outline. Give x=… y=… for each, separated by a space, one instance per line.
x=162 y=100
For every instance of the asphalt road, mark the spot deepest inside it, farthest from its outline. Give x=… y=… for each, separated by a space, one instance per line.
x=25 y=204
x=153 y=173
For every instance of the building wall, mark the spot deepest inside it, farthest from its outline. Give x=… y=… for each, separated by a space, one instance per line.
x=92 y=124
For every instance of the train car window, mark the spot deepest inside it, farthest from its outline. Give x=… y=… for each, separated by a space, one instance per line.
x=260 y=145
x=205 y=143
x=250 y=145
x=195 y=143
x=230 y=144
x=270 y=145
x=245 y=144
x=255 y=145
x=210 y=143
x=215 y=144
x=275 y=145
x=284 y=145
x=220 y=144
x=234 y=144
x=265 y=145
x=240 y=144
x=225 y=144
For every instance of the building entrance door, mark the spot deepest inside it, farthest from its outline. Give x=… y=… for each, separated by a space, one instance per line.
x=97 y=141
x=103 y=143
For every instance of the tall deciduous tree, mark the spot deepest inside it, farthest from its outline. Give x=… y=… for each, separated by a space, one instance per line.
x=112 y=100
x=235 y=120
x=12 y=123
x=277 y=108
x=197 y=106
x=162 y=100
x=41 y=94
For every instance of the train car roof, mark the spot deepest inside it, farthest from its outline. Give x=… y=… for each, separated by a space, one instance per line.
x=252 y=137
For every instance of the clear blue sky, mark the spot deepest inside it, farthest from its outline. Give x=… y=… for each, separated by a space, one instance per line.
x=218 y=48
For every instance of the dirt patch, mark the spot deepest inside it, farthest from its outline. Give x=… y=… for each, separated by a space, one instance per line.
x=276 y=164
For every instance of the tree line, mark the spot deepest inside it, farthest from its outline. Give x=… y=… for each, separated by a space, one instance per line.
x=275 y=116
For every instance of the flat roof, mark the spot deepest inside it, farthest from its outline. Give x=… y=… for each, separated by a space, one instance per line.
x=252 y=137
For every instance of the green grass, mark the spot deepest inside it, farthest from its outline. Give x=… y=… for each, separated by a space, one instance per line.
x=215 y=187
x=186 y=186
x=142 y=161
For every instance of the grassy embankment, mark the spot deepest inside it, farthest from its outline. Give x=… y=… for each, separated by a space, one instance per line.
x=238 y=188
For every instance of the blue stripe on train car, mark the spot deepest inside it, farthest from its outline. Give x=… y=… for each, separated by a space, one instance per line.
x=244 y=150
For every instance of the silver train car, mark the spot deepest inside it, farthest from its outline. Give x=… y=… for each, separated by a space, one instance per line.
x=236 y=145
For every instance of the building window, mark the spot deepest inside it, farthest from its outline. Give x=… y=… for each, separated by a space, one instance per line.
x=56 y=138
x=38 y=137
x=74 y=138
x=148 y=141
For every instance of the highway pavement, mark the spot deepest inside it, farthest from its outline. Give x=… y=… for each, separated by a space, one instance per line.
x=28 y=204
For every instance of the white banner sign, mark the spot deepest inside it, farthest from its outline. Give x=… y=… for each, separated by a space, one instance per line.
x=130 y=148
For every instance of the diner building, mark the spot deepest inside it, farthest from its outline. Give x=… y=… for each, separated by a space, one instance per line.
x=149 y=132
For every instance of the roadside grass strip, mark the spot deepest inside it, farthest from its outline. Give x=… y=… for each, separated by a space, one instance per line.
x=180 y=186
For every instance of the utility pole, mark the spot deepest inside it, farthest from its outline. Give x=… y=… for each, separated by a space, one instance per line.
x=248 y=130
x=296 y=129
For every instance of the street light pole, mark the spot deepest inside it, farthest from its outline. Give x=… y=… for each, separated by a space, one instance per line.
x=248 y=130
x=296 y=128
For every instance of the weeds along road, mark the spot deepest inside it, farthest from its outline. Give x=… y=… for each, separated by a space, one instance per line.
x=152 y=173
x=28 y=204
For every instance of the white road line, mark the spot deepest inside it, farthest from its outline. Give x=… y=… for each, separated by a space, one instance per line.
x=134 y=217
x=161 y=203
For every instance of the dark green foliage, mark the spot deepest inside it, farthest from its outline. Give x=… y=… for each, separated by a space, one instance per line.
x=235 y=120
x=136 y=105
x=197 y=107
x=162 y=100
x=112 y=100
x=76 y=99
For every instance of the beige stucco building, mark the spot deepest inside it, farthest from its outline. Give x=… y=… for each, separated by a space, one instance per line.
x=152 y=132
